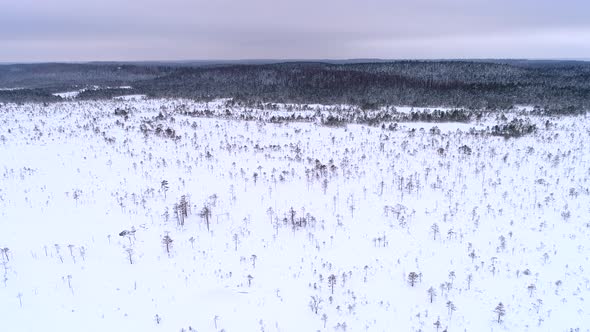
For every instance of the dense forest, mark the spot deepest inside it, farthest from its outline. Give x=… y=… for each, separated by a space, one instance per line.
x=473 y=84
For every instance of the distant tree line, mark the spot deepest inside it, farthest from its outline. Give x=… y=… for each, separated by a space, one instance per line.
x=552 y=85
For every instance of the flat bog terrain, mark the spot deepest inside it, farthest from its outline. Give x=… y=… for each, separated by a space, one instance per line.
x=143 y=214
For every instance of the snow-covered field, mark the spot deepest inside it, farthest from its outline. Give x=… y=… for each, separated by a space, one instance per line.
x=266 y=219
x=75 y=93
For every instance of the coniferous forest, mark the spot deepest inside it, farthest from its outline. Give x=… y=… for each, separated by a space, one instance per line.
x=493 y=84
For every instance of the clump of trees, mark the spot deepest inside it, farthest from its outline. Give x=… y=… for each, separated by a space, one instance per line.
x=514 y=129
x=182 y=209
x=122 y=112
x=334 y=121
x=413 y=278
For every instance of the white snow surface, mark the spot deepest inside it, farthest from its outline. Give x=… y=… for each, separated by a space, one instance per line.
x=75 y=93
x=73 y=175
x=69 y=94
x=11 y=89
x=130 y=97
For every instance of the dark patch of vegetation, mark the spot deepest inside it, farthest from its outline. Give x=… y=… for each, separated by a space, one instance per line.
x=560 y=111
x=122 y=112
x=334 y=121
x=513 y=129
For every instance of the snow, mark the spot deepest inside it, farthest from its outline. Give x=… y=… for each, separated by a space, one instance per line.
x=73 y=94
x=524 y=108
x=11 y=89
x=130 y=97
x=446 y=127
x=69 y=94
x=74 y=175
x=410 y=109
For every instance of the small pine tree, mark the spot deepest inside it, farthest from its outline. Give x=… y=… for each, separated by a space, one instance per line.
x=431 y=293
x=166 y=215
x=164 y=187
x=435 y=230
x=451 y=307
x=500 y=311
x=332 y=282
x=412 y=278
x=206 y=214
x=531 y=289
x=292 y=214
x=437 y=324
x=5 y=253
x=167 y=242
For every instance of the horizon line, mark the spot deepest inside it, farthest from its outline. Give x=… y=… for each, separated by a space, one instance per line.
x=279 y=60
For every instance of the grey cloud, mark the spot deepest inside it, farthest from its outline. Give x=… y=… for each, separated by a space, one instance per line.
x=194 y=29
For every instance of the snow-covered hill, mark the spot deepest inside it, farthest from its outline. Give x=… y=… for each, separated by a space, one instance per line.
x=290 y=225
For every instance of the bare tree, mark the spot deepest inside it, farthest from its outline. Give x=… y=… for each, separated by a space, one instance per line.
x=537 y=305
x=451 y=308
x=531 y=289
x=82 y=252
x=129 y=254
x=502 y=242
x=206 y=214
x=255 y=177
x=270 y=213
x=315 y=304
x=71 y=247
x=431 y=293
x=452 y=276
x=292 y=214
x=437 y=324
x=236 y=241
x=472 y=256
x=164 y=187
x=77 y=193
x=5 y=253
x=435 y=230
x=69 y=276
x=166 y=215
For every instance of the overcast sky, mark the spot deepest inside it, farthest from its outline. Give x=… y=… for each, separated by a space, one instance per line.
x=84 y=30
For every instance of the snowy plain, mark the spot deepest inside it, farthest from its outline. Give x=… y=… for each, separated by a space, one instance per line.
x=289 y=205
x=75 y=93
